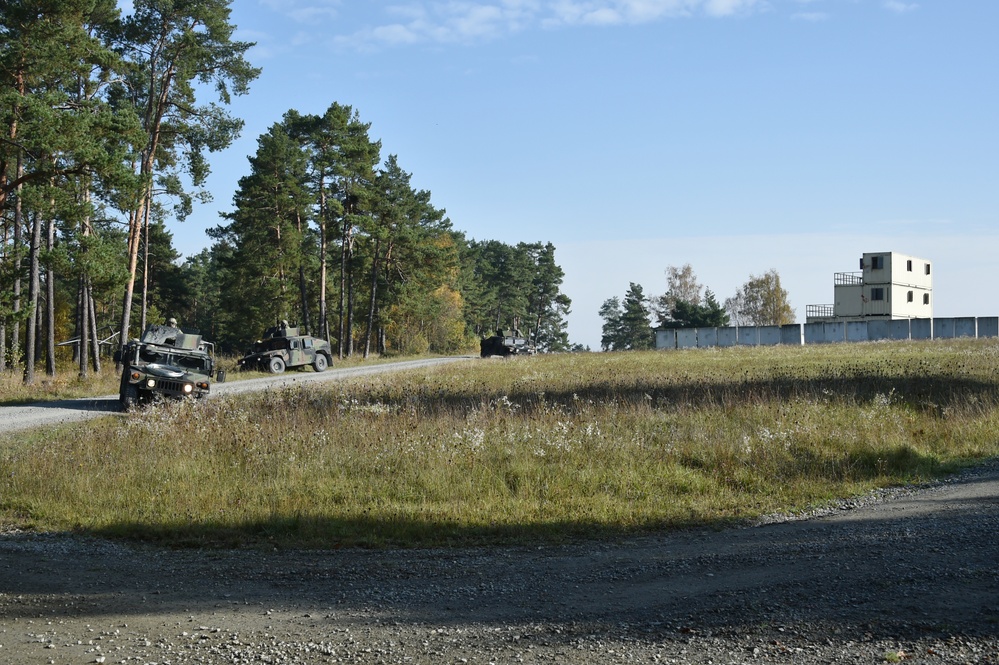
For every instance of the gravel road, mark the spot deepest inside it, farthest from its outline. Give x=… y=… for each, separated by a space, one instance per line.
x=902 y=575
x=41 y=414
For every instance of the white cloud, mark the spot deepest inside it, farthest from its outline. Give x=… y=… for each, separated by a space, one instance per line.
x=729 y=7
x=462 y=21
x=305 y=11
x=812 y=17
x=899 y=6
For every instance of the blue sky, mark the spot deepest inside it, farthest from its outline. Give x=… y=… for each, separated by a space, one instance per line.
x=735 y=135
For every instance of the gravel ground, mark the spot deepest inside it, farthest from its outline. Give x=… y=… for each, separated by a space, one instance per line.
x=903 y=575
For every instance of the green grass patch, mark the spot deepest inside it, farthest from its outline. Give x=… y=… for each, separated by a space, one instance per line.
x=544 y=449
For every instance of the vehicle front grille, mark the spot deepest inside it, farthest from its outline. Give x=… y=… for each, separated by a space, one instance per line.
x=172 y=387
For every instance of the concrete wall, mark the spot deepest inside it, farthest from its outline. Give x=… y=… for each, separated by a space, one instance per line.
x=747 y=336
x=666 y=339
x=769 y=335
x=965 y=327
x=727 y=336
x=943 y=328
x=856 y=331
x=898 y=329
x=686 y=338
x=920 y=328
x=828 y=332
x=988 y=326
x=813 y=333
x=834 y=331
x=877 y=330
x=707 y=338
x=791 y=334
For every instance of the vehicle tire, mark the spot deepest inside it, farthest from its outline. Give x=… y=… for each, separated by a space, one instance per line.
x=128 y=396
x=320 y=363
x=275 y=365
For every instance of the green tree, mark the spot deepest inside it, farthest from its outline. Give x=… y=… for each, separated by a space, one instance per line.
x=506 y=276
x=681 y=286
x=177 y=49
x=612 y=334
x=636 y=326
x=341 y=166
x=413 y=263
x=708 y=314
x=265 y=236
x=764 y=302
x=547 y=305
x=61 y=140
x=170 y=293
x=208 y=308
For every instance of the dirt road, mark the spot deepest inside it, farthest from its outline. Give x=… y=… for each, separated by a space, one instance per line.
x=904 y=576
x=16 y=418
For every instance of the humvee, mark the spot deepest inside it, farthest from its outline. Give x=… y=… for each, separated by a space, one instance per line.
x=282 y=346
x=165 y=361
x=506 y=345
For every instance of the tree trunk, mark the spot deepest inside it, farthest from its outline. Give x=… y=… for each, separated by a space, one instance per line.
x=134 y=234
x=95 y=349
x=33 y=289
x=303 y=292
x=50 y=351
x=371 y=302
x=350 y=308
x=343 y=290
x=83 y=323
x=3 y=322
x=145 y=264
x=324 y=324
x=15 y=333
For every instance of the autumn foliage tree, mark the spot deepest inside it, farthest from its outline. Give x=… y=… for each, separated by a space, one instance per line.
x=762 y=301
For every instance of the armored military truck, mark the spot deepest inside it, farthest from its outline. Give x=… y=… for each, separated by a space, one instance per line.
x=504 y=345
x=166 y=361
x=283 y=347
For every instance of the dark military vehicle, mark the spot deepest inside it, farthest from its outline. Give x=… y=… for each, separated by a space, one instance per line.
x=166 y=361
x=504 y=345
x=282 y=347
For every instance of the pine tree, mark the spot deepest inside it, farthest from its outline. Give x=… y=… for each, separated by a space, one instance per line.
x=177 y=49
x=265 y=234
x=636 y=327
x=611 y=338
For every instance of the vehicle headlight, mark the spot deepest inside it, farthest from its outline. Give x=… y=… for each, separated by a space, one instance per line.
x=188 y=387
x=151 y=383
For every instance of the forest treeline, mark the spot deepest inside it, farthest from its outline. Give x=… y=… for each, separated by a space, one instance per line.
x=107 y=122
x=687 y=303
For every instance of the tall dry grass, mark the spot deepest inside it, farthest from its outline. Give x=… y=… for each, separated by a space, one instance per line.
x=546 y=448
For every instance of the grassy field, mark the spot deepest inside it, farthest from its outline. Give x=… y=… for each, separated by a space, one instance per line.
x=540 y=449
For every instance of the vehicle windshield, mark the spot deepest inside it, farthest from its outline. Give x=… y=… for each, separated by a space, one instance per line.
x=163 y=356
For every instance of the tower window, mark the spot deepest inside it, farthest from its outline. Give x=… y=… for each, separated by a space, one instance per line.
x=908 y=297
x=926 y=298
x=927 y=268
x=877 y=262
x=908 y=265
x=877 y=294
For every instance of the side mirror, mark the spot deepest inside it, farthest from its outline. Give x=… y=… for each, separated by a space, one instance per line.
x=220 y=376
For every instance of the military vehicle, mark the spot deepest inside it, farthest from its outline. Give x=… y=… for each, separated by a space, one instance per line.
x=282 y=346
x=505 y=345
x=166 y=361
